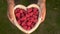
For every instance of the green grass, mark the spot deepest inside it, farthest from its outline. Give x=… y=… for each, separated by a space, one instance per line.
x=51 y=25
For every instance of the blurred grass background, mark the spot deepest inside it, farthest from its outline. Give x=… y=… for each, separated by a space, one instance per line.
x=51 y=25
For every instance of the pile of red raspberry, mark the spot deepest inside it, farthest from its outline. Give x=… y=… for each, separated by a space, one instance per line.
x=27 y=18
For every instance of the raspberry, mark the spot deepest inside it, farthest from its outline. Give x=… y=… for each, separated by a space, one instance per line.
x=29 y=23
x=17 y=10
x=25 y=27
x=35 y=9
x=18 y=15
x=28 y=28
x=19 y=22
x=29 y=10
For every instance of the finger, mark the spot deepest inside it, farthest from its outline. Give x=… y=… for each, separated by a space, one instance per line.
x=10 y=8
